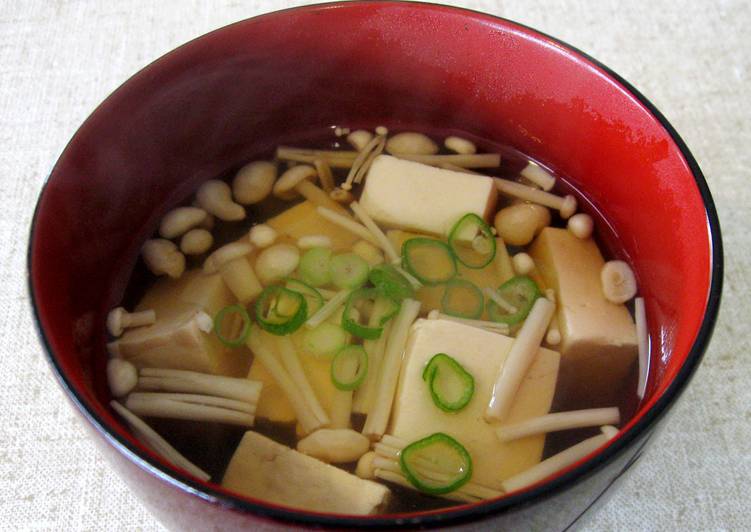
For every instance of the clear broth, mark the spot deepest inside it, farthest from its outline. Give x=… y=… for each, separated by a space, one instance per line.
x=210 y=446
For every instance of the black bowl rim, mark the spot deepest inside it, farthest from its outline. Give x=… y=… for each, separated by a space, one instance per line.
x=462 y=514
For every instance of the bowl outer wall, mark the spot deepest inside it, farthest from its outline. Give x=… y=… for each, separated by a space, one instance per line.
x=188 y=116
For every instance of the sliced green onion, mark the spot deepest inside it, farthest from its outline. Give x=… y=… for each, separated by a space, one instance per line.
x=472 y=241
x=349 y=270
x=430 y=261
x=520 y=292
x=314 y=266
x=313 y=297
x=390 y=282
x=280 y=311
x=451 y=386
x=349 y=367
x=462 y=299
x=351 y=316
x=438 y=452
x=219 y=322
x=325 y=340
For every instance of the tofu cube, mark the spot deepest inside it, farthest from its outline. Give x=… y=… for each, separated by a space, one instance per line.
x=416 y=197
x=482 y=354
x=266 y=470
x=273 y=404
x=303 y=220
x=175 y=341
x=598 y=338
x=493 y=275
x=169 y=297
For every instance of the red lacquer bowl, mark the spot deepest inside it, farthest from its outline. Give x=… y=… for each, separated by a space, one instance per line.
x=225 y=97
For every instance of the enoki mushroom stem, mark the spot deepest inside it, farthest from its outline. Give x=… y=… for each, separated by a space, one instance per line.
x=318 y=197
x=566 y=205
x=520 y=357
x=490 y=326
x=378 y=417
x=555 y=463
x=324 y=174
x=361 y=162
x=573 y=419
x=539 y=176
x=192 y=407
x=158 y=444
x=345 y=222
x=376 y=231
x=328 y=309
x=334 y=158
x=498 y=300
x=258 y=342
x=386 y=463
x=175 y=380
x=291 y=361
x=477 y=160
x=375 y=349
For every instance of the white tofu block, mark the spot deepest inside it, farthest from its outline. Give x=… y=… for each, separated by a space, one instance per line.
x=414 y=196
x=482 y=354
x=266 y=470
x=598 y=338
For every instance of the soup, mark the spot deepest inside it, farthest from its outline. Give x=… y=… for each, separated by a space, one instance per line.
x=396 y=325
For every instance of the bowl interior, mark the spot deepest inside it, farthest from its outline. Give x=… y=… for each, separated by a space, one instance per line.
x=229 y=96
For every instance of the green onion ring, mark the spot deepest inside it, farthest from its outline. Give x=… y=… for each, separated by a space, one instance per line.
x=277 y=324
x=244 y=332
x=410 y=463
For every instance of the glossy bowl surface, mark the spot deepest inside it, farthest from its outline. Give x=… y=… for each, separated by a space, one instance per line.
x=233 y=94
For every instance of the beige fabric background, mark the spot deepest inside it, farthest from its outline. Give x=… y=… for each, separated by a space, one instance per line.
x=59 y=59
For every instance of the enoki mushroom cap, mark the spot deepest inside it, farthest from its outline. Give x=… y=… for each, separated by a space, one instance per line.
x=253 y=182
x=115 y=321
x=568 y=207
x=122 y=376
x=179 y=220
x=581 y=225
x=618 y=281
x=215 y=197
x=286 y=184
x=262 y=235
x=163 y=257
x=225 y=254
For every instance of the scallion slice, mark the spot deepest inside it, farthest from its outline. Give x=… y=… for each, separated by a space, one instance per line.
x=462 y=299
x=390 y=282
x=429 y=260
x=313 y=297
x=441 y=453
x=325 y=340
x=520 y=292
x=314 y=266
x=280 y=311
x=349 y=270
x=472 y=241
x=219 y=323
x=350 y=316
x=451 y=386
x=349 y=367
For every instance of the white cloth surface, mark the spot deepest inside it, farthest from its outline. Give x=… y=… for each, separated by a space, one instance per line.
x=59 y=59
